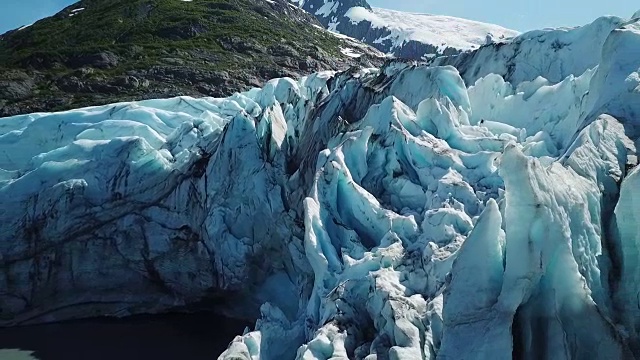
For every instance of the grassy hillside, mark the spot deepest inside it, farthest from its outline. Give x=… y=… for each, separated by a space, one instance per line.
x=99 y=51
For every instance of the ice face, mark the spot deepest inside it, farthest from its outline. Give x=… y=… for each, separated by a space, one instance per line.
x=627 y=235
x=553 y=54
x=378 y=213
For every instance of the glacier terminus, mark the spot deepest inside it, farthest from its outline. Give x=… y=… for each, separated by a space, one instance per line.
x=481 y=205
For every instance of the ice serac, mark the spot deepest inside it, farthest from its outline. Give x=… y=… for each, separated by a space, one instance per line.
x=556 y=269
x=392 y=213
x=148 y=194
x=552 y=54
x=626 y=230
x=476 y=280
x=615 y=87
x=553 y=284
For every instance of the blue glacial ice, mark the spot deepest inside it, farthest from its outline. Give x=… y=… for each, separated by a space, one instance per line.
x=407 y=212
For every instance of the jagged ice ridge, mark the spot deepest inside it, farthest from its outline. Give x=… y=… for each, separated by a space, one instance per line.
x=407 y=212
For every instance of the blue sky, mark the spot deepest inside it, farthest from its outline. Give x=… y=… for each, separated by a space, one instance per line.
x=519 y=15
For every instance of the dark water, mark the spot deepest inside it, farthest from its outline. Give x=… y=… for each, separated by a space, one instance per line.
x=176 y=336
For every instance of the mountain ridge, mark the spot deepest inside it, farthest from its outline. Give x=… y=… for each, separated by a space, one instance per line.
x=403 y=34
x=95 y=52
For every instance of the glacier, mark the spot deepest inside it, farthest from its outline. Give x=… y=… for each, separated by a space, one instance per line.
x=480 y=206
x=443 y=33
x=403 y=34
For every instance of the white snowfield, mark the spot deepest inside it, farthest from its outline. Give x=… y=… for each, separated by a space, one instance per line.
x=404 y=34
x=441 y=32
x=393 y=213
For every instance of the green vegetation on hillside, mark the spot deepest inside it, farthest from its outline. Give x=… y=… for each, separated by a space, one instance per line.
x=100 y=51
x=155 y=27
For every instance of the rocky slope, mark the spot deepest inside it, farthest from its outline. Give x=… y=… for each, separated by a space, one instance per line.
x=390 y=213
x=405 y=35
x=98 y=51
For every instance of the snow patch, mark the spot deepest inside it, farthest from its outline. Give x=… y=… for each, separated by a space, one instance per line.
x=350 y=52
x=328 y=8
x=440 y=31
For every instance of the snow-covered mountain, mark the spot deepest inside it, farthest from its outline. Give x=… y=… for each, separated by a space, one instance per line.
x=405 y=35
x=406 y=212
